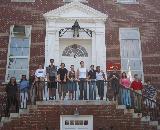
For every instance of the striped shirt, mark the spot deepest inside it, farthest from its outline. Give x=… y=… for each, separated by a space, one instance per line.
x=149 y=91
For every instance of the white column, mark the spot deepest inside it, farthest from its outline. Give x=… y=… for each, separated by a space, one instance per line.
x=49 y=47
x=101 y=50
x=94 y=55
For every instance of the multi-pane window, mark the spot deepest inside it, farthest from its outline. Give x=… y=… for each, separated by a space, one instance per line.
x=75 y=50
x=128 y=1
x=22 y=0
x=18 y=52
x=130 y=49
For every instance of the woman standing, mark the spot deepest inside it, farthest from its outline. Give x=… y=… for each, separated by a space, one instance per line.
x=24 y=89
x=40 y=75
x=125 y=93
x=11 y=90
x=72 y=85
x=100 y=77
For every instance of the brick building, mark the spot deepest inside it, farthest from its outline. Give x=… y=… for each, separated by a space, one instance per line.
x=122 y=33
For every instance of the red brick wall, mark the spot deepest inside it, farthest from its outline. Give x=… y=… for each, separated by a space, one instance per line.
x=104 y=116
x=145 y=16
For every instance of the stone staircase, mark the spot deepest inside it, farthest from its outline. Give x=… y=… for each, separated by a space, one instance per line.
x=47 y=114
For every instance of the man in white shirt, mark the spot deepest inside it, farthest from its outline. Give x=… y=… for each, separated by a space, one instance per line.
x=82 y=75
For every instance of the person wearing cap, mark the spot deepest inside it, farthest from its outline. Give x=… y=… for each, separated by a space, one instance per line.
x=72 y=84
x=62 y=80
x=51 y=71
x=114 y=80
x=92 y=83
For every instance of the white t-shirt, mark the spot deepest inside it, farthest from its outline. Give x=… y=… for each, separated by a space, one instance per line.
x=99 y=76
x=40 y=73
x=82 y=73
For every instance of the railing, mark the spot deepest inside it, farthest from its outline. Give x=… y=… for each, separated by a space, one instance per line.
x=88 y=90
x=140 y=103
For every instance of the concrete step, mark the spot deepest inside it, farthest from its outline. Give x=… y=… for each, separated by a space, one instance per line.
x=1 y=124
x=5 y=119
x=158 y=127
x=121 y=107
x=154 y=123
x=23 y=111
x=13 y=115
x=145 y=119
x=137 y=115
x=130 y=111
x=31 y=107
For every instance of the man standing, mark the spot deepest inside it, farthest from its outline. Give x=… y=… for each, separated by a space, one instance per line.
x=62 y=79
x=114 y=79
x=137 y=86
x=51 y=79
x=92 y=83
x=82 y=74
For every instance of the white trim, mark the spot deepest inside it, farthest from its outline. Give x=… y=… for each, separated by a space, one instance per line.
x=92 y=13
x=19 y=57
x=127 y=2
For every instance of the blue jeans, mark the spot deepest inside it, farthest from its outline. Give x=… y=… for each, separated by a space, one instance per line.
x=100 y=86
x=125 y=97
x=92 y=90
x=83 y=88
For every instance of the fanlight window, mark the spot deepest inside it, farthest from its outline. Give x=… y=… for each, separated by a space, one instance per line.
x=75 y=51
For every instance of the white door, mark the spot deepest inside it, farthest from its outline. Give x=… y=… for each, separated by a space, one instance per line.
x=71 y=122
x=74 y=51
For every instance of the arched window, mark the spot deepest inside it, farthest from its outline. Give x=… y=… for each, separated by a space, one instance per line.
x=75 y=51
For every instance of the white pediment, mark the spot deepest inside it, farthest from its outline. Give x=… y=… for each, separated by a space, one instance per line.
x=75 y=10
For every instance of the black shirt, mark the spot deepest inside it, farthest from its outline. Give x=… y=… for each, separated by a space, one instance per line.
x=62 y=73
x=11 y=89
x=114 y=80
x=92 y=74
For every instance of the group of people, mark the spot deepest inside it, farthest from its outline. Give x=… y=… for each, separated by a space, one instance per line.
x=67 y=81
